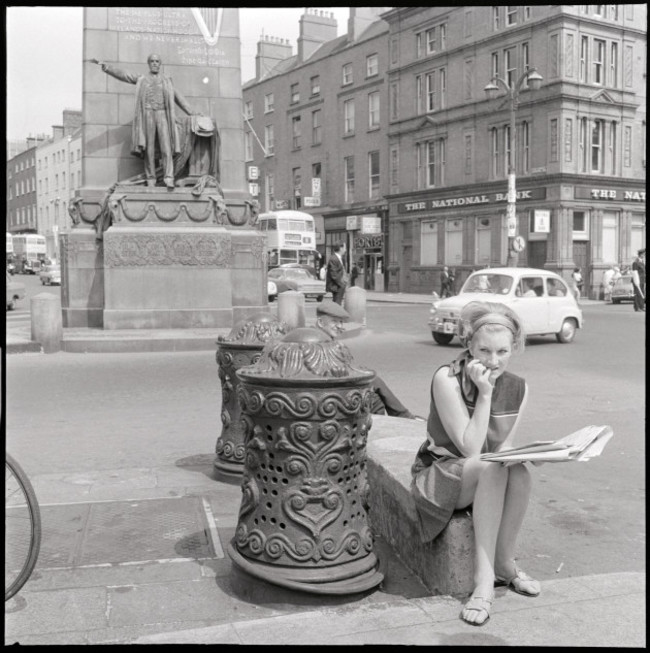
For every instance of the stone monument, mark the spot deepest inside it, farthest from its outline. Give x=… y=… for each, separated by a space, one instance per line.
x=164 y=231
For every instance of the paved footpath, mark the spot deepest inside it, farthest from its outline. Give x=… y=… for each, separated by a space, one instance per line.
x=139 y=555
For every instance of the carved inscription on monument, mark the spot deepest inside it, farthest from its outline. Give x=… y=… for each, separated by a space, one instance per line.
x=206 y=250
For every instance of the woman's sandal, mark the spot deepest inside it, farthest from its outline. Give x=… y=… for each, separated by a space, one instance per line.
x=521 y=583
x=477 y=604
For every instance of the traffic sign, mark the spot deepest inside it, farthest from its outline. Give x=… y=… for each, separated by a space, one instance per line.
x=519 y=244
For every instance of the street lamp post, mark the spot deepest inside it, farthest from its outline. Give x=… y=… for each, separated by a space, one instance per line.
x=491 y=90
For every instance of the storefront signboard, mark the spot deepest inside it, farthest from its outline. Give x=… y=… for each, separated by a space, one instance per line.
x=311 y=201
x=619 y=194
x=352 y=222
x=370 y=224
x=469 y=200
x=542 y=221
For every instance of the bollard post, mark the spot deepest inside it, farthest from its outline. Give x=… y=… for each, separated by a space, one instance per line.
x=241 y=347
x=302 y=520
x=291 y=308
x=355 y=304
x=47 y=324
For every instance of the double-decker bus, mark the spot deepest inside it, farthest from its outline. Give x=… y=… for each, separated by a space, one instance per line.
x=28 y=248
x=290 y=237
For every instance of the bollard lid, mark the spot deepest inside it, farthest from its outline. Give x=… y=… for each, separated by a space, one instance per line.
x=304 y=355
x=253 y=331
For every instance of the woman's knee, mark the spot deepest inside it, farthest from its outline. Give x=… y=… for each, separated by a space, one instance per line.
x=519 y=476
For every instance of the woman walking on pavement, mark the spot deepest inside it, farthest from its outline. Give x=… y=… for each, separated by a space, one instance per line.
x=475 y=408
x=576 y=277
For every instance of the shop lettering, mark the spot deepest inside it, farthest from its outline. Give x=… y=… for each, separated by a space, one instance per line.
x=521 y=195
x=459 y=201
x=416 y=206
x=608 y=194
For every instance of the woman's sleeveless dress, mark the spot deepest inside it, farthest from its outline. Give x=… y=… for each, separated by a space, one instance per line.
x=438 y=465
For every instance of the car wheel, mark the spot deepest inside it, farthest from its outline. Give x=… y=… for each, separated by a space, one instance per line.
x=616 y=301
x=11 y=304
x=319 y=298
x=568 y=331
x=442 y=338
x=271 y=298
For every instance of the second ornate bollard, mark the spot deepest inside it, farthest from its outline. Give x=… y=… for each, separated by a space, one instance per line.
x=241 y=347
x=302 y=520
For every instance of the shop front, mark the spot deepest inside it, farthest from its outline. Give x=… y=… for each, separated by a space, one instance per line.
x=560 y=226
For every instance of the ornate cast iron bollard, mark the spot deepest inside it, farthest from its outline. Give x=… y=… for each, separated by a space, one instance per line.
x=302 y=520
x=241 y=347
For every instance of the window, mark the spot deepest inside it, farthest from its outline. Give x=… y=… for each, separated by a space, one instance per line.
x=394 y=101
x=527 y=12
x=584 y=49
x=315 y=84
x=525 y=148
x=297 y=190
x=598 y=62
x=454 y=242
x=268 y=103
x=612 y=147
x=511 y=14
x=510 y=56
x=296 y=132
x=348 y=171
x=610 y=236
x=495 y=155
x=507 y=147
x=469 y=78
x=373 y=110
x=372 y=65
x=347 y=74
x=62 y=181
x=483 y=241
x=419 y=107
x=248 y=146
x=56 y=182
x=525 y=62
x=316 y=128
x=348 y=117
x=467 y=25
x=295 y=93
x=554 y=137
x=436 y=90
x=599 y=11
x=394 y=166
x=316 y=177
x=613 y=65
x=394 y=50
x=583 y=145
x=597 y=138
x=269 y=142
x=428 y=243
x=431 y=161
x=269 y=190
x=495 y=18
x=373 y=175
x=495 y=64
x=248 y=109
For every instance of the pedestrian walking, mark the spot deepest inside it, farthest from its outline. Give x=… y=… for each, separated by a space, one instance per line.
x=638 y=280
x=608 y=282
x=446 y=281
x=336 y=279
x=577 y=283
x=476 y=406
x=354 y=273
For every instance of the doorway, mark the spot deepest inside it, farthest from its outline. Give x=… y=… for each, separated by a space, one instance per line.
x=581 y=260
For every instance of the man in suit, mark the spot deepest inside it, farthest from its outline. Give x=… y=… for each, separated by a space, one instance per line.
x=336 y=279
x=638 y=281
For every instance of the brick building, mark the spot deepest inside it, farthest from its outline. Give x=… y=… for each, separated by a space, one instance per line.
x=387 y=136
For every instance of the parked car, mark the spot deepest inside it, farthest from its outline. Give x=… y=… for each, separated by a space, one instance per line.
x=51 y=275
x=623 y=289
x=542 y=299
x=304 y=280
x=15 y=292
x=31 y=267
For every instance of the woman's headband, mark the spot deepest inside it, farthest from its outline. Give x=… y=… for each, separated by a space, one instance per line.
x=494 y=318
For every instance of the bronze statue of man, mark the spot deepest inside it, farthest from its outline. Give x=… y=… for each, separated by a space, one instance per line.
x=154 y=117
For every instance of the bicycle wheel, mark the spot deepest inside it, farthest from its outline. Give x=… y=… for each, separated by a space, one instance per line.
x=22 y=527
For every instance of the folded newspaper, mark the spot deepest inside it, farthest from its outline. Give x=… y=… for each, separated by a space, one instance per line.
x=580 y=445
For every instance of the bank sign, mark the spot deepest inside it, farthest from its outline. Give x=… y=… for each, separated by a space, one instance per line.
x=469 y=200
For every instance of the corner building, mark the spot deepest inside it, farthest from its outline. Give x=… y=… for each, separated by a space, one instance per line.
x=386 y=136
x=579 y=145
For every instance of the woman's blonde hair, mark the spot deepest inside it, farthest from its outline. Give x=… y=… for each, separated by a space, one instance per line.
x=491 y=316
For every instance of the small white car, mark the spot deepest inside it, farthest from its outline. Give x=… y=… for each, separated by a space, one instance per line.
x=51 y=275
x=541 y=298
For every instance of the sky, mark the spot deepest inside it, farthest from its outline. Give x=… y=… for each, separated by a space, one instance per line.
x=44 y=54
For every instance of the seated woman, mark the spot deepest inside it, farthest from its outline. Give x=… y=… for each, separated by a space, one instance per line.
x=476 y=406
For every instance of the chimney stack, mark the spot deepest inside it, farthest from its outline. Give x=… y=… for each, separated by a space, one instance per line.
x=270 y=51
x=361 y=18
x=316 y=27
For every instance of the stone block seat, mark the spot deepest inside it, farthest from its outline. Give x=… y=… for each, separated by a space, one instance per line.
x=445 y=565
